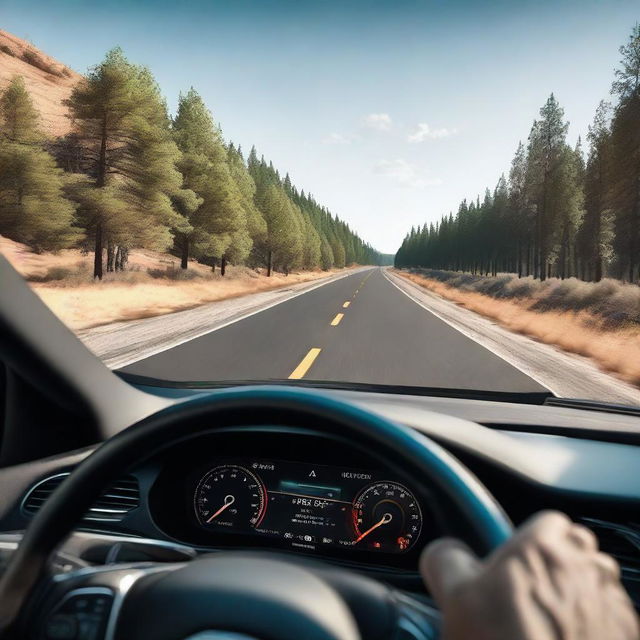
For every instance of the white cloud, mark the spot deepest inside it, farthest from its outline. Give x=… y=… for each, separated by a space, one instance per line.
x=424 y=131
x=337 y=138
x=404 y=174
x=378 y=121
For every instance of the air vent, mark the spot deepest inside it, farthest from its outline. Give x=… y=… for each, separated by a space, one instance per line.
x=113 y=505
x=622 y=541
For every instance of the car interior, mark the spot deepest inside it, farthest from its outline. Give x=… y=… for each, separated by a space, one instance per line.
x=138 y=508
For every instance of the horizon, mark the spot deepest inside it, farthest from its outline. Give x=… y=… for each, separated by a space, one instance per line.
x=359 y=127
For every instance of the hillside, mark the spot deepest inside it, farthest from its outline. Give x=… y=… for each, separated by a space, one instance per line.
x=49 y=82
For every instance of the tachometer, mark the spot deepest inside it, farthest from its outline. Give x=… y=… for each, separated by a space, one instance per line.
x=230 y=496
x=386 y=517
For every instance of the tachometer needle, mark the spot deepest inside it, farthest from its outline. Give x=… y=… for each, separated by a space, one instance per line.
x=386 y=518
x=228 y=501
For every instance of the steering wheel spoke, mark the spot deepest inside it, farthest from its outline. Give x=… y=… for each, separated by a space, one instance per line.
x=86 y=603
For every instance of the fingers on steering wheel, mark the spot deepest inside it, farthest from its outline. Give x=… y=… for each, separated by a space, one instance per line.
x=608 y=566
x=583 y=538
x=447 y=563
x=546 y=525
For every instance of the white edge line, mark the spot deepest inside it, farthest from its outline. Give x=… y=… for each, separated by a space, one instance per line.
x=269 y=305
x=466 y=333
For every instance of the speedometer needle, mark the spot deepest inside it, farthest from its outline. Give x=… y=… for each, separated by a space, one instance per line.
x=228 y=501
x=386 y=518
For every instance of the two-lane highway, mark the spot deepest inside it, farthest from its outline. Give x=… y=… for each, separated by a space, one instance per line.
x=361 y=328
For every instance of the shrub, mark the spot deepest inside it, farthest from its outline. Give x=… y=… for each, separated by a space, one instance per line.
x=35 y=60
x=173 y=274
x=52 y=274
x=615 y=303
x=8 y=50
x=58 y=273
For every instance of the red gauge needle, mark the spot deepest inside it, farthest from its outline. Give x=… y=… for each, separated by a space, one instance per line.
x=386 y=518
x=228 y=501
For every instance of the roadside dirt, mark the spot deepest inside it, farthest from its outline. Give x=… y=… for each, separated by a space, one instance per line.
x=103 y=303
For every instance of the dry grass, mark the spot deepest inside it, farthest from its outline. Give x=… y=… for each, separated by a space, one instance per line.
x=49 y=82
x=102 y=303
x=35 y=59
x=71 y=267
x=153 y=286
x=615 y=348
x=615 y=303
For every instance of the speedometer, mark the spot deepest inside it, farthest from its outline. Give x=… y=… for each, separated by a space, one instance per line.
x=386 y=517
x=230 y=496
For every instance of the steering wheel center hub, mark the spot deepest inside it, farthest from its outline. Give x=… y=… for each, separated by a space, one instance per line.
x=244 y=594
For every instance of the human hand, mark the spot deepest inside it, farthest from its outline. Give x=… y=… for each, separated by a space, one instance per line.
x=548 y=582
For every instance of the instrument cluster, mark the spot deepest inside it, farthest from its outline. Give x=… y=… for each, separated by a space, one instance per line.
x=273 y=487
x=308 y=506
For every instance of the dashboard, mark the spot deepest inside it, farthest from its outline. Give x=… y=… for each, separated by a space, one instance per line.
x=316 y=494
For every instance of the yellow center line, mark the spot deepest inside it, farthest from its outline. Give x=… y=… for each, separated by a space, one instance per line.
x=365 y=279
x=346 y=304
x=336 y=321
x=305 y=364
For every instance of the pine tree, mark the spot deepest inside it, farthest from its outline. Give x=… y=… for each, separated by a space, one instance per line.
x=282 y=239
x=337 y=248
x=312 y=258
x=219 y=225
x=152 y=182
x=195 y=134
x=502 y=249
x=625 y=138
x=221 y=215
x=121 y=119
x=521 y=216
x=545 y=168
x=255 y=227
x=596 y=234
x=20 y=119
x=326 y=253
x=567 y=201
x=33 y=208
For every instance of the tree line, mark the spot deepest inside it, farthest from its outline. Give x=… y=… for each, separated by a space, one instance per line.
x=556 y=214
x=131 y=176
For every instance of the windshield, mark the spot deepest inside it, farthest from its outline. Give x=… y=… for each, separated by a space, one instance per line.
x=409 y=194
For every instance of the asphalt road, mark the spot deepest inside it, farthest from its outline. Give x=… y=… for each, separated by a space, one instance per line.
x=383 y=337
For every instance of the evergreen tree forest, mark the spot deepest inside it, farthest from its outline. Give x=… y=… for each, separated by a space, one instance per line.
x=556 y=213
x=132 y=176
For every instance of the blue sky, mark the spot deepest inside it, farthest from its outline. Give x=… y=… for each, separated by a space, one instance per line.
x=389 y=112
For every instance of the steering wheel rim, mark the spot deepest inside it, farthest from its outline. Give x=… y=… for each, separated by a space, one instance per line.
x=235 y=407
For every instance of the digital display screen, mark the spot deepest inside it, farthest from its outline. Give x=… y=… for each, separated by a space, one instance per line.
x=308 y=505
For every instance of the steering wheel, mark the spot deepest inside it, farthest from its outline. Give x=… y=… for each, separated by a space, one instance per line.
x=240 y=595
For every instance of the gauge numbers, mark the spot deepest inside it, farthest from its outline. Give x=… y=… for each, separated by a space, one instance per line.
x=386 y=517
x=230 y=496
